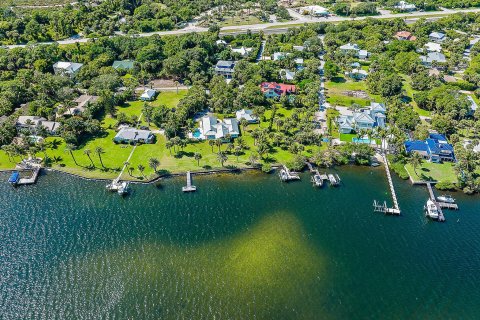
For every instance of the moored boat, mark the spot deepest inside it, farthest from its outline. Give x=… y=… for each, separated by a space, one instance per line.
x=431 y=210
x=446 y=198
x=14 y=178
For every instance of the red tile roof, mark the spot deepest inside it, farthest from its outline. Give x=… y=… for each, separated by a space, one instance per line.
x=280 y=88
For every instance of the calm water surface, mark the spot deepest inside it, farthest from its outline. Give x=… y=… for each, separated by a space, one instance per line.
x=243 y=247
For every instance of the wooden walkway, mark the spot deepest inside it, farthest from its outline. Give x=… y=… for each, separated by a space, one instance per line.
x=377 y=207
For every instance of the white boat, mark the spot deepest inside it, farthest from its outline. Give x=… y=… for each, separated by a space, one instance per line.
x=123 y=188
x=431 y=209
x=446 y=198
x=317 y=180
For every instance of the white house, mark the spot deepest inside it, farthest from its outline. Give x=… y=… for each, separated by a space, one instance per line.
x=242 y=51
x=405 y=6
x=247 y=115
x=134 y=135
x=350 y=48
x=432 y=57
x=437 y=36
x=363 y=54
x=33 y=122
x=70 y=69
x=211 y=128
x=316 y=11
x=148 y=95
x=433 y=47
x=364 y=119
x=357 y=74
x=221 y=43
x=287 y=75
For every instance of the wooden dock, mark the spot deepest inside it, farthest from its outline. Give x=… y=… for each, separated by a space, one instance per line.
x=189 y=187
x=287 y=175
x=377 y=207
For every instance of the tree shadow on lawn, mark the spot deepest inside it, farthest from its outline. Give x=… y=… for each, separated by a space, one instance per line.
x=339 y=80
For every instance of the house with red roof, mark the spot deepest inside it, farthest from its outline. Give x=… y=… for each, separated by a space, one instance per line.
x=275 y=90
x=405 y=35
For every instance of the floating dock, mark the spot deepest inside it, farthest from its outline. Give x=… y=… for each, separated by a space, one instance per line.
x=32 y=179
x=287 y=175
x=189 y=187
x=378 y=207
x=334 y=179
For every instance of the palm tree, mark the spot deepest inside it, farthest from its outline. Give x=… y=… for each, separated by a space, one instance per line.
x=238 y=150
x=87 y=152
x=182 y=143
x=221 y=157
x=415 y=160
x=253 y=159
x=197 y=157
x=141 y=168
x=244 y=123
x=69 y=148
x=211 y=143
x=154 y=163
x=99 y=151
x=169 y=145
x=230 y=147
x=218 y=143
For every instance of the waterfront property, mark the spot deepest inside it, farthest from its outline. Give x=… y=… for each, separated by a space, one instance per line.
x=434 y=149
x=70 y=69
x=33 y=123
x=134 y=135
x=211 y=129
x=247 y=115
x=363 y=119
x=225 y=68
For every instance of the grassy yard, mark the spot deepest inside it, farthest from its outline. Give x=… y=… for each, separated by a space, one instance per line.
x=407 y=87
x=429 y=171
x=235 y=21
x=336 y=89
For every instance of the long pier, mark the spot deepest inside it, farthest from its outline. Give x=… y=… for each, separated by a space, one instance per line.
x=189 y=187
x=383 y=208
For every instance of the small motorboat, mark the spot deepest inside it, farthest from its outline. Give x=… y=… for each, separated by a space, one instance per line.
x=446 y=198
x=14 y=178
x=431 y=210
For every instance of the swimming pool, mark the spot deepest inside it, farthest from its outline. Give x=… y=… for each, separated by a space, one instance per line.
x=362 y=140
x=197 y=134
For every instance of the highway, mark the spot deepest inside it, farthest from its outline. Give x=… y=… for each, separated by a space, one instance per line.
x=278 y=27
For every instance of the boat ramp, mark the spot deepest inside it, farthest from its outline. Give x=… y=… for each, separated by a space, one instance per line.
x=189 y=187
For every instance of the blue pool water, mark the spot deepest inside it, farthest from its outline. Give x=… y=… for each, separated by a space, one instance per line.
x=196 y=133
x=357 y=140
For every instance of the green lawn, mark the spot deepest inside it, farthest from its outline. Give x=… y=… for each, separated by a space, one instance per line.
x=336 y=89
x=347 y=137
x=407 y=87
x=429 y=171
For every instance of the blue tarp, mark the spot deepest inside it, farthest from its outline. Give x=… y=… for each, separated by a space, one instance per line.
x=14 y=177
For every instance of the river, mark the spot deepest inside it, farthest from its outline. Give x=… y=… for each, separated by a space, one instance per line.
x=244 y=246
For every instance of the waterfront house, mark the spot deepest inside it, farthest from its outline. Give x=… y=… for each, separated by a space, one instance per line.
x=434 y=149
x=32 y=123
x=225 y=68
x=134 y=136
x=405 y=6
x=405 y=36
x=123 y=65
x=431 y=58
x=247 y=115
x=69 y=69
x=211 y=128
x=275 y=90
x=437 y=37
x=357 y=74
x=148 y=95
x=363 y=119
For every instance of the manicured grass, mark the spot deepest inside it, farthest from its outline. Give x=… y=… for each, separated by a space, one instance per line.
x=335 y=92
x=5 y=162
x=229 y=21
x=429 y=171
x=347 y=137
x=407 y=87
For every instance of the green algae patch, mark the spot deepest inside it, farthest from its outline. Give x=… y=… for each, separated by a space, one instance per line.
x=268 y=271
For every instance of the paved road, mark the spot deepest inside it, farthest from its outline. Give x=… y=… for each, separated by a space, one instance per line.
x=277 y=27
